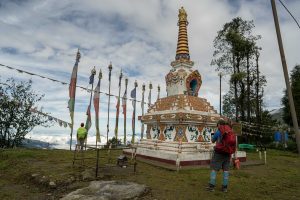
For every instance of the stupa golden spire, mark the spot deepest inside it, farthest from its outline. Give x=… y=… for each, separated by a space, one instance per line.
x=182 y=44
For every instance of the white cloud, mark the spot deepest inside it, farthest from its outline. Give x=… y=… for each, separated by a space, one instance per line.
x=138 y=36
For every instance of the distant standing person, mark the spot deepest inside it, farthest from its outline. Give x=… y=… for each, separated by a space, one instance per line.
x=225 y=146
x=81 y=135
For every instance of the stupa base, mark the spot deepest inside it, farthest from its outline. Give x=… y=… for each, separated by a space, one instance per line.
x=173 y=155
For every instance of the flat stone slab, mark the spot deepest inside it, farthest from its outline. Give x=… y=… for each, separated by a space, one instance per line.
x=108 y=190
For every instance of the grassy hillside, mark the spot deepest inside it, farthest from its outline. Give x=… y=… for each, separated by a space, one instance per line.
x=26 y=174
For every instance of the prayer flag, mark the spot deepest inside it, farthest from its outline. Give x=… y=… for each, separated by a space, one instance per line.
x=149 y=98
x=72 y=88
x=124 y=99
x=133 y=95
x=124 y=102
x=88 y=122
x=96 y=107
x=117 y=116
x=92 y=78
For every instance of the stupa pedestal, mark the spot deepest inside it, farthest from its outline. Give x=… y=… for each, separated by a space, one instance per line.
x=179 y=126
x=176 y=155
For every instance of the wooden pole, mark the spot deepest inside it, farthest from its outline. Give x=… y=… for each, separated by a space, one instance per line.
x=93 y=72
x=72 y=117
x=220 y=74
x=286 y=76
x=142 y=105
x=149 y=97
x=158 y=92
x=125 y=109
x=109 y=79
x=118 y=108
x=97 y=122
x=134 y=113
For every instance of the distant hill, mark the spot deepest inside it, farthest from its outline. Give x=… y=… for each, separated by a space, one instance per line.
x=29 y=143
x=277 y=115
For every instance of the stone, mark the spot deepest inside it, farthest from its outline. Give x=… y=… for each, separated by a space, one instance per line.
x=52 y=184
x=108 y=190
x=43 y=180
x=35 y=175
x=88 y=175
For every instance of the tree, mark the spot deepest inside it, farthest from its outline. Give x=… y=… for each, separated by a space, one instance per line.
x=228 y=105
x=235 y=55
x=295 y=86
x=16 y=119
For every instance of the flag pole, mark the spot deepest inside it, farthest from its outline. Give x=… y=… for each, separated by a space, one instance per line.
x=133 y=117
x=158 y=92
x=142 y=104
x=149 y=97
x=88 y=120
x=72 y=94
x=96 y=107
x=118 y=107
x=93 y=73
x=124 y=109
x=109 y=79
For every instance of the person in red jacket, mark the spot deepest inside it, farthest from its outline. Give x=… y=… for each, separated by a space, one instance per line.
x=220 y=160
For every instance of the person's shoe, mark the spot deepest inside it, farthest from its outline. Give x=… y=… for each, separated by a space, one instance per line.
x=224 y=188
x=210 y=187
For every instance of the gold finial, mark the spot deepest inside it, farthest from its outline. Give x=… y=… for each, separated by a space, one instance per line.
x=182 y=52
x=143 y=87
x=182 y=16
x=93 y=71
x=110 y=66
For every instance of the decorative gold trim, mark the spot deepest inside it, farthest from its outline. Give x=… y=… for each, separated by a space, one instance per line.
x=200 y=137
x=148 y=131
x=161 y=134
x=180 y=135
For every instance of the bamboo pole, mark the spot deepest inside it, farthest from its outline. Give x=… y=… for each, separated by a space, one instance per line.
x=134 y=113
x=108 y=106
x=142 y=105
x=125 y=109
x=118 y=107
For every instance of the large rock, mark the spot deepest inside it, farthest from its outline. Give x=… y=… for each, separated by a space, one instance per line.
x=108 y=190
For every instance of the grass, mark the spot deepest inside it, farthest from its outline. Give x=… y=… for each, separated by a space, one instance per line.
x=278 y=179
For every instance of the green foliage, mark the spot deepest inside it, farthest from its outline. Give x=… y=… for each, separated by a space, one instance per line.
x=236 y=54
x=229 y=105
x=114 y=141
x=16 y=119
x=295 y=86
x=290 y=146
x=238 y=77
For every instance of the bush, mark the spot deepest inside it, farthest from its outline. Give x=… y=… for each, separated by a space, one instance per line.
x=17 y=102
x=114 y=142
x=291 y=146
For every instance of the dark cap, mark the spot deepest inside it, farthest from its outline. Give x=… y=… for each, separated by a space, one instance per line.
x=221 y=122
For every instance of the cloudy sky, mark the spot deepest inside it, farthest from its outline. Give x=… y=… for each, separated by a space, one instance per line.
x=137 y=36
